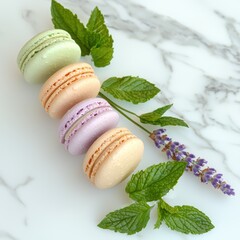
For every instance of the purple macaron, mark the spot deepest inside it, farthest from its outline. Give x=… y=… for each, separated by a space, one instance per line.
x=85 y=122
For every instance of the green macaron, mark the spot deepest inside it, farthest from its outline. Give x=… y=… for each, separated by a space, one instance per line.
x=46 y=53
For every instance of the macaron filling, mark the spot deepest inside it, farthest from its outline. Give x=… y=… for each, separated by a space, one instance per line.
x=106 y=153
x=42 y=43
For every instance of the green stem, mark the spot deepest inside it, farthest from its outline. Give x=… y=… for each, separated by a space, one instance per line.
x=119 y=109
x=125 y=110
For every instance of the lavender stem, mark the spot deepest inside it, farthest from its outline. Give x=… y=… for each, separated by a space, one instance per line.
x=176 y=151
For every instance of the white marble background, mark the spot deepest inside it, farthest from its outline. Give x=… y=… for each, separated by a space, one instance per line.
x=190 y=49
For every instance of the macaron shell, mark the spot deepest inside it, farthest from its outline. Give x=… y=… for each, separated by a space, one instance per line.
x=91 y=130
x=71 y=94
x=100 y=145
x=88 y=116
x=119 y=164
x=37 y=42
x=46 y=62
x=105 y=154
x=61 y=76
x=76 y=112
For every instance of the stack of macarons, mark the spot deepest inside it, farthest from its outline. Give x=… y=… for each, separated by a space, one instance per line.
x=88 y=124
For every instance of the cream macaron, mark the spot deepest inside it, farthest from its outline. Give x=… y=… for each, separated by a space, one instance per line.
x=112 y=157
x=68 y=86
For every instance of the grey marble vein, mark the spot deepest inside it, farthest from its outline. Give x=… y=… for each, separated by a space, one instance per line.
x=231 y=26
x=28 y=16
x=6 y=235
x=148 y=26
x=13 y=191
x=222 y=156
x=226 y=88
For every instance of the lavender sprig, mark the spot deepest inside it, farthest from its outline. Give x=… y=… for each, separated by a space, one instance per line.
x=176 y=151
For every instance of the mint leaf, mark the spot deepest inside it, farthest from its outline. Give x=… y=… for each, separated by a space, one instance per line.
x=187 y=219
x=128 y=220
x=154 y=182
x=162 y=110
x=100 y=41
x=165 y=121
x=102 y=56
x=184 y=219
x=96 y=24
x=131 y=89
x=64 y=19
x=154 y=116
x=92 y=39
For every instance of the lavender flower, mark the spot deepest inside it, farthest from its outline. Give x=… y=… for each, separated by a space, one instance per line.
x=176 y=151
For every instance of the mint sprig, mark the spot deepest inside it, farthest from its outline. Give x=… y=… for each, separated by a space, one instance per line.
x=130 y=88
x=149 y=118
x=93 y=39
x=141 y=187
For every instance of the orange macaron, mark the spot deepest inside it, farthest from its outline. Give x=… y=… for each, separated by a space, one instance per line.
x=68 y=86
x=112 y=157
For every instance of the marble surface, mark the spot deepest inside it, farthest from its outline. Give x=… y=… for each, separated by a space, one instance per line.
x=190 y=49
